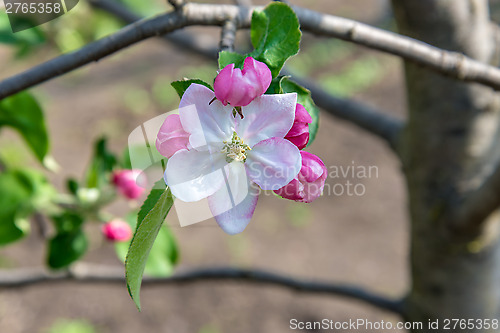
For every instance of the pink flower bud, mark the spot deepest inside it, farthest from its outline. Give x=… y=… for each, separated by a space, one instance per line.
x=239 y=87
x=308 y=185
x=171 y=137
x=130 y=183
x=117 y=230
x=299 y=133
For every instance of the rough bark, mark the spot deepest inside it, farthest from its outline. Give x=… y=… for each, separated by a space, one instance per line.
x=448 y=147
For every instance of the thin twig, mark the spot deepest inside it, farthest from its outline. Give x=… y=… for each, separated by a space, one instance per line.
x=228 y=36
x=88 y=273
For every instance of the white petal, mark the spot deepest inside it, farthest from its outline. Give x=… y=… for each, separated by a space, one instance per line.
x=194 y=175
x=273 y=163
x=266 y=117
x=233 y=205
x=207 y=123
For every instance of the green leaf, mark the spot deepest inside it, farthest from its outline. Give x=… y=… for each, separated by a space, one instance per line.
x=275 y=35
x=153 y=197
x=22 y=192
x=65 y=248
x=23 y=113
x=143 y=241
x=102 y=164
x=275 y=86
x=163 y=255
x=69 y=243
x=182 y=85
x=226 y=58
x=304 y=98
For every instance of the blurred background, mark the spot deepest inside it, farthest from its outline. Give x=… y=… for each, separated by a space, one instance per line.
x=359 y=239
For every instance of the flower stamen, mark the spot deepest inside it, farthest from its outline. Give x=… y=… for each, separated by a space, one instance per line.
x=235 y=149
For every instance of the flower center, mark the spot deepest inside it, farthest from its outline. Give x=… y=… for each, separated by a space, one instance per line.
x=235 y=149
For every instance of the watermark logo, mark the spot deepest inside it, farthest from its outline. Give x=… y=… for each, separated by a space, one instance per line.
x=26 y=14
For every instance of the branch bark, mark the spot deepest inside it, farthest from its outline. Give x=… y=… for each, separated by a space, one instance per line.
x=478 y=205
x=448 y=63
x=364 y=116
x=90 y=273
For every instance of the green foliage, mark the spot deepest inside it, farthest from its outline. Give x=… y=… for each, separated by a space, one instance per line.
x=275 y=35
x=23 y=113
x=182 y=85
x=102 y=164
x=143 y=240
x=22 y=192
x=71 y=326
x=163 y=255
x=69 y=243
x=24 y=41
x=304 y=98
x=226 y=58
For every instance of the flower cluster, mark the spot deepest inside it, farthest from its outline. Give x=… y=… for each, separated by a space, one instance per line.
x=215 y=155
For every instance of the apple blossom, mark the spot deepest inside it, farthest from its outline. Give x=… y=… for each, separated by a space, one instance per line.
x=117 y=230
x=299 y=133
x=240 y=87
x=229 y=158
x=130 y=183
x=308 y=185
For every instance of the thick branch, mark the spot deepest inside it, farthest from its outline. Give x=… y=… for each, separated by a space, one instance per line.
x=87 y=273
x=479 y=204
x=448 y=63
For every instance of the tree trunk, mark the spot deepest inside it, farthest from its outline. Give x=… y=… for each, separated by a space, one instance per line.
x=448 y=147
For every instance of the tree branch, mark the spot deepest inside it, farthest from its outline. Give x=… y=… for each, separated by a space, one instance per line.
x=449 y=63
x=364 y=116
x=89 y=273
x=228 y=36
x=479 y=204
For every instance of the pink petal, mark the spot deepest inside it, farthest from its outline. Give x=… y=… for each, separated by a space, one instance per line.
x=258 y=73
x=300 y=141
x=266 y=117
x=171 y=137
x=194 y=175
x=273 y=163
x=233 y=205
x=195 y=110
x=292 y=191
x=301 y=114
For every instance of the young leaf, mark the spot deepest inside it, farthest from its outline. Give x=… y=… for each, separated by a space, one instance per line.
x=182 y=85
x=102 y=164
x=23 y=113
x=226 y=58
x=65 y=248
x=143 y=241
x=153 y=197
x=275 y=35
x=69 y=243
x=21 y=193
x=163 y=255
x=304 y=98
